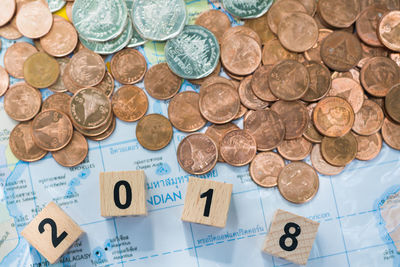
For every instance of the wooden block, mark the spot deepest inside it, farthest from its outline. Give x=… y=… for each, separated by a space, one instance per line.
x=52 y=232
x=291 y=237
x=122 y=193
x=207 y=202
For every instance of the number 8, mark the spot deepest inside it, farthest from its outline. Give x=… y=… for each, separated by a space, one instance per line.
x=287 y=235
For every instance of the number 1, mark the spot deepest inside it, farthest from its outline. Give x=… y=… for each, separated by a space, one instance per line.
x=208 y=195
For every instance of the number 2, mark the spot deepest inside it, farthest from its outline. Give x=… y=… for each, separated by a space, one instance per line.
x=291 y=236
x=208 y=195
x=56 y=240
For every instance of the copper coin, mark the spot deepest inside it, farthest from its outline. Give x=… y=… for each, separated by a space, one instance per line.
x=339 y=13
x=352 y=74
x=260 y=85
x=10 y=31
x=217 y=131
x=295 y=149
x=154 y=131
x=22 y=145
x=129 y=103
x=294 y=116
x=106 y=134
x=15 y=57
x=241 y=30
x=273 y=52
x=218 y=79
x=41 y=70
x=350 y=90
x=68 y=10
x=215 y=73
x=51 y=130
x=161 y=83
x=241 y=112
x=310 y=6
x=341 y=50
x=311 y=133
x=320 y=164
x=298 y=182
x=233 y=76
x=219 y=103
x=280 y=10
x=391 y=134
x=240 y=54
x=369 y=119
x=184 y=112
x=238 y=147
x=67 y=81
x=58 y=101
x=7 y=11
x=392 y=103
x=339 y=151
x=298 y=32
x=289 y=80
x=314 y=53
x=266 y=127
x=61 y=40
x=388 y=4
x=214 y=20
x=370 y=52
x=248 y=98
x=333 y=116
x=90 y=108
x=4 y=81
x=128 y=66
x=388 y=30
x=74 y=153
x=107 y=84
x=320 y=81
x=396 y=58
x=86 y=68
x=34 y=19
x=22 y=102
x=367 y=24
x=97 y=131
x=260 y=26
x=368 y=147
x=58 y=86
x=378 y=75
x=265 y=168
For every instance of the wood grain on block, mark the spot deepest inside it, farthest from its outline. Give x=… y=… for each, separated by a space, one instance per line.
x=122 y=193
x=291 y=237
x=52 y=232
x=207 y=202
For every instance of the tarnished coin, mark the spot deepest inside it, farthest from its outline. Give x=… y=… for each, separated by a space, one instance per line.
x=369 y=119
x=298 y=32
x=260 y=26
x=388 y=4
x=320 y=164
x=339 y=13
x=41 y=70
x=333 y=116
x=391 y=134
x=341 y=50
x=388 y=30
x=59 y=86
x=294 y=116
x=339 y=151
x=260 y=85
x=34 y=19
x=367 y=24
x=86 y=68
x=97 y=131
x=4 y=81
x=106 y=85
x=379 y=74
x=248 y=98
x=15 y=57
x=214 y=20
x=154 y=132
x=129 y=103
x=106 y=134
x=265 y=168
x=266 y=127
x=217 y=131
x=392 y=103
x=74 y=153
x=90 y=108
x=295 y=149
x=273 y=52
x=245 y=9
x=314 y=53
x=161 y=83
x=368 y=147
x=350 y=90
x=320 y=81
x=61 y=40
x=7 y=11
x=289 y=80
x=51 y=130
x=128 y=66
x=369 y=52
x=238 y=147
x=197 y=154
x=280 y=10
x=184 y=112
x=311 y=133
x=22 y=102
x=241 y=30
x=58 y=101
x=310 y=6
x=298 y=182
x=22 y=145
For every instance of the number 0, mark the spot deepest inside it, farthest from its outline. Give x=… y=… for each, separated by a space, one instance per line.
x=117 y=199
x=208 y=195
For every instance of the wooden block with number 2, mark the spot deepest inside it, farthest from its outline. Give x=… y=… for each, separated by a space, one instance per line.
x=207 y=202
x=52 y=232
x=291 y=237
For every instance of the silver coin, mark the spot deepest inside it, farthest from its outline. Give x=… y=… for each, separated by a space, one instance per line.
x=159 y=20
x=194 y=53
x=55 y=5
x=136 y=39
x=247 y=9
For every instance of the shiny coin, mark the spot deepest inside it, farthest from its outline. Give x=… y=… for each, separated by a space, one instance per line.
x=154 y=132
x=368 y=147
x=214 y=20
x=339 y=151
x=265 y=169
x=248 y=98
x=128 y=66
x=59 y=86
x=217 y=131
x=4 y=81
x=67 y=81
x=339 y=13
x=136 y=39
x=129 y=103
x=295 y=149
x=106 y=85
x=369 y=119
x=97 y=131
x=273 y=52
x=320 y=81
x=260 y=85
x=74 y=153
x=245 y=9
x=86 y=68
x=238 y=147
x=161 y=83
x=41 y=70
x=7 y=12
x=388 y=30
x=391 y=134
x=34 y=19
x=350 y=90
x=15 y=57
x=320 y=164
x=55 y=5
x=298 y=182
x=61 y=40
x=392 y=103
x=280 y=10
x=367 y=23
x=106 y=134
x=58 y=101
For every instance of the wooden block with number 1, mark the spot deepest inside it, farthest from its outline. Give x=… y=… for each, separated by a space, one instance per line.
x=52 y=232
x=291 y=237
x=122 y=193
x=207 y=202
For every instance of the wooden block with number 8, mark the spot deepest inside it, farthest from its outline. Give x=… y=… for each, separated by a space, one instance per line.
x=122 y=193
x=52 y=232
x=207 y=202
x=291 y=237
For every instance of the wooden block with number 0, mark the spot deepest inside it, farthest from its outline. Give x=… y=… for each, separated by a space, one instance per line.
x=291 y=237
x=207 y=202
x=122 y=193
x=52 y=232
